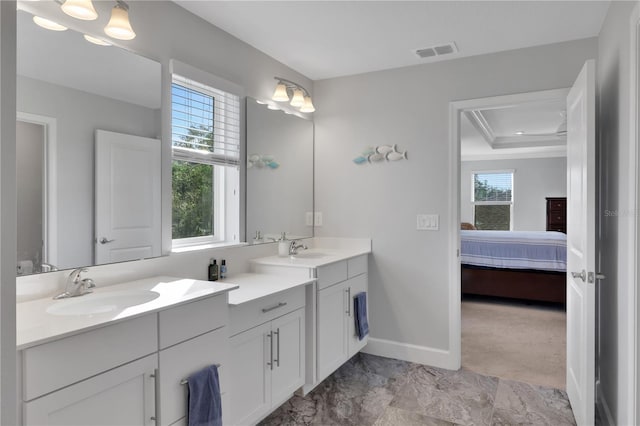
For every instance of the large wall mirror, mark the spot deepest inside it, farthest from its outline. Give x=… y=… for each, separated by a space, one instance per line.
x=82 y=108
x=279 y=174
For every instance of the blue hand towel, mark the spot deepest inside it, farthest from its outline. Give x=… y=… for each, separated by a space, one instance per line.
x=205 y=406
x=360 y=310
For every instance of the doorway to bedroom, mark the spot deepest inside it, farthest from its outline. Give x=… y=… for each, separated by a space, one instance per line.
x=513 y=183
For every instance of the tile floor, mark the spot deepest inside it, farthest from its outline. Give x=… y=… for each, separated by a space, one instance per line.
x=371 y=390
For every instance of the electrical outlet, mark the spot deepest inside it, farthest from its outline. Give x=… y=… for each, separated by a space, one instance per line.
x=427 y=222
x=317 y=219
x=309 y=219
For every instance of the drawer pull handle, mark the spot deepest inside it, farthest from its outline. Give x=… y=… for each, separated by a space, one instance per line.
x=279 y=305
x=185 y=381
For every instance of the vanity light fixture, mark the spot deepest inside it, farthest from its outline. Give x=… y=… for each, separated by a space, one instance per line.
x=96 y=40
x=308 y=105
x=119 y=26
x=300 y=97
x=48 y=24
x=80 y=9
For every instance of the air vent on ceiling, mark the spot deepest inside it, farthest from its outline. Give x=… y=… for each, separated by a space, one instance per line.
x=444 y=49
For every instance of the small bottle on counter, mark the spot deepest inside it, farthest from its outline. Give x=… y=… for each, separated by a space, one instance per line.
x=223 y=269
x=283 y=245
x=213 y=270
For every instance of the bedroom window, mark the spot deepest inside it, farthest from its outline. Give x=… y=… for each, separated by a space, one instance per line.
x=492 y=199
x=205 y=133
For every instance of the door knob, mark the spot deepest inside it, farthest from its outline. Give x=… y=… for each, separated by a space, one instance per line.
x=103 y=240
x=582 y=275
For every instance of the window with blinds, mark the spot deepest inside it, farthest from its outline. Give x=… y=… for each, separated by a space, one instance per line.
x=205 y=134
x=492 y=198
x=205 y=123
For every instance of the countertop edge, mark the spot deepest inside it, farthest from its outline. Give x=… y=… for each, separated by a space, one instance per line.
x=111 y=321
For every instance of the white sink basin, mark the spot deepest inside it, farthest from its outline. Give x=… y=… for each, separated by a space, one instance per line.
x=102 y=303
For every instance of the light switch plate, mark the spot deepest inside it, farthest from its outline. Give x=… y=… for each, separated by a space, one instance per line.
x=427 y=222
x=318 y=219
x=309 y=219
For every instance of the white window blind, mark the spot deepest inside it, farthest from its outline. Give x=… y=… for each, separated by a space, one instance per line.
x=493 y=187
x=205 y=123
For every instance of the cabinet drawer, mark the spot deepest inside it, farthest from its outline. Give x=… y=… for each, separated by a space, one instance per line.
x=180 y=361
x=357 y=266
x=557 y=205
x=331 y=274
x=193 y=319
x=259 y=311
x=556 y=218
x=60 y=363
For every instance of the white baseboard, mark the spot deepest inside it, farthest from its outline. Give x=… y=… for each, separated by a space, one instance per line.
x=603 y=407
x=412 y=353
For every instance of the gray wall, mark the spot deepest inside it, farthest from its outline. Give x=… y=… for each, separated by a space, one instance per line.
x=615 y=177
x=409 y=272
x=78 y=114
x=533 y=180
x=29 y=173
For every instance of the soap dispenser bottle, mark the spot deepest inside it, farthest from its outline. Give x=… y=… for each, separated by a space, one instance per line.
x=283 y=245
x=223 y=269
x=213 y=270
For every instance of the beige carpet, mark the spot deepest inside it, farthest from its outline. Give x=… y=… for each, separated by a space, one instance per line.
x=515 y=341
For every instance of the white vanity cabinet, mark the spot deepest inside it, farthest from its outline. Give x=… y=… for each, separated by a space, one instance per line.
x=65 y=383
x=267 y=354
x=127 y=373
x=337 y=340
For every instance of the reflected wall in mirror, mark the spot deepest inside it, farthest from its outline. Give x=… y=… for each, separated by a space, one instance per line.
x=279 y=174
x=67 y=90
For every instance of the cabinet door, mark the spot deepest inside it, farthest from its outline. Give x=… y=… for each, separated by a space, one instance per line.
x=249 y=375
x=179 y=362
x=287 y=374
x=356 y=285
x=332 y=329
x=122 y=396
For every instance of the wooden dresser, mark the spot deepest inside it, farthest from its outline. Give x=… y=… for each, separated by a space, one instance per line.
x=557 y=214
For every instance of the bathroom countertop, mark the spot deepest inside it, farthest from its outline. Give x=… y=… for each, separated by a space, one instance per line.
x=36 y=325
x=255 y=286
x=312 y=258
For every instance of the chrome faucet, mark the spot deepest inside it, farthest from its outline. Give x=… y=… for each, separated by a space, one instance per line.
x=76 y=286
x=294 y=247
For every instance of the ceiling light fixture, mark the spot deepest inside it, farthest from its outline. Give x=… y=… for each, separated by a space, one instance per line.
x=48 y=24
x=96 y=40
x=300 y=97
x=119 y=26
x=80 y=9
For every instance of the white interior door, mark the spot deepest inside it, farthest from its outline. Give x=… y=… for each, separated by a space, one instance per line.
x=581 y=245
x=127 y=199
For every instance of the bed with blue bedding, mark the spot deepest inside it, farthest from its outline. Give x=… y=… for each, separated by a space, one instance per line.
x=515 y=264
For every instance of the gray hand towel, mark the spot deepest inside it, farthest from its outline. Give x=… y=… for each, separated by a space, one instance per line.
x=205 y=406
